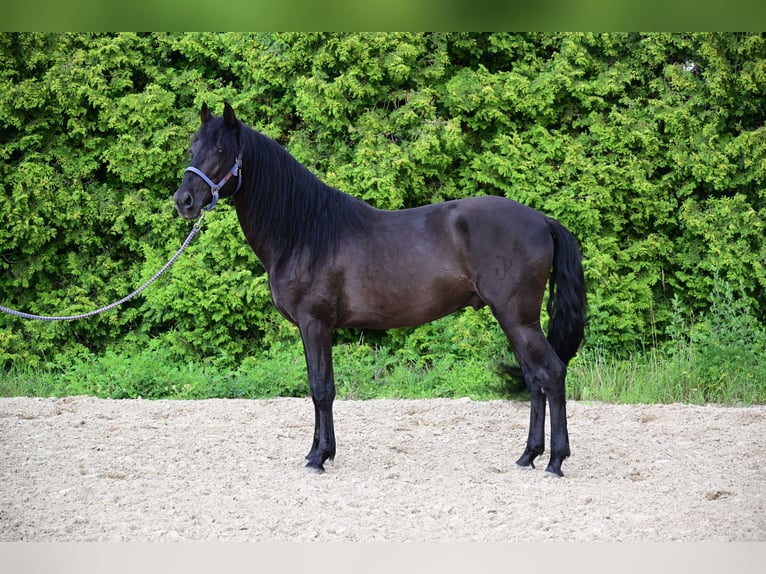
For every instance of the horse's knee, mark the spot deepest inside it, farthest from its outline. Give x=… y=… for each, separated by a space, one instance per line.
x=323 y=394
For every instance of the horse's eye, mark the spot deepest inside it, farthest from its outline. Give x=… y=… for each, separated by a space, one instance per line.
x=220 y=151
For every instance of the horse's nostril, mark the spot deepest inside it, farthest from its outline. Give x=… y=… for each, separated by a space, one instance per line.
x=187 y=200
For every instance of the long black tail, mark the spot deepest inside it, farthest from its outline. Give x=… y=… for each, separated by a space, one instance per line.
x=567 y=305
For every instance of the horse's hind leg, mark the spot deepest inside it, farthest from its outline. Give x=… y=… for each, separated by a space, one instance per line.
x=536 y=439
x=544 y=374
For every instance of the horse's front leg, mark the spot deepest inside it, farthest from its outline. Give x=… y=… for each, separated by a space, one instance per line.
x=317 y=346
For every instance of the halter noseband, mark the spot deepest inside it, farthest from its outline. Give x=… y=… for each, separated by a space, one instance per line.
x=216 y=187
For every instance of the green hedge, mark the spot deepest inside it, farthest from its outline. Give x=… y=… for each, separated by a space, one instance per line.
x=650 y=147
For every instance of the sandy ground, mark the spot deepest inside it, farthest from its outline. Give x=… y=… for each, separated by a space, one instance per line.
x=85 y=469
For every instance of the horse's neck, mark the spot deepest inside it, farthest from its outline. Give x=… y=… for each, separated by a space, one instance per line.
x=244 y=201
x=265 y=231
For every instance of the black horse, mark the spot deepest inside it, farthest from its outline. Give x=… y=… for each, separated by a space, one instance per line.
x=335 y=261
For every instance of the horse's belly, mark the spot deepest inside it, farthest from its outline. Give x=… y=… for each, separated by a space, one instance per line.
x=388 y=306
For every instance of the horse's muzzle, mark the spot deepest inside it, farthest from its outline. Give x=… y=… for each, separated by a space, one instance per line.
x=185 y=204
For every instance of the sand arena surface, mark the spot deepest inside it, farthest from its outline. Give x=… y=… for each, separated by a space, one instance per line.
x=85 y=469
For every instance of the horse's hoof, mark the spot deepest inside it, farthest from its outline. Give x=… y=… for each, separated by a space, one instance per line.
x=313 y=469
x=527 y=460
x=554 y=474
x=525 y=466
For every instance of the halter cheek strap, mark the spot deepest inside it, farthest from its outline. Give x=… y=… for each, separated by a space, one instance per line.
x=216 y=187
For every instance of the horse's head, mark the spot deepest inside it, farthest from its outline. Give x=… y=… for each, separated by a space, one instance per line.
x=215 y=169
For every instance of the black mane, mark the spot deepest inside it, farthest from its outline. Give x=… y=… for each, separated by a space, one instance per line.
x=289 y=209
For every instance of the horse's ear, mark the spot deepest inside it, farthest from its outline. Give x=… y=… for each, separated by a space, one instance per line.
x=228 y=115
x=204 y=114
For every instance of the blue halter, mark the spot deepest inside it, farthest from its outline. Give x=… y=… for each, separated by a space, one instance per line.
x=216 y=187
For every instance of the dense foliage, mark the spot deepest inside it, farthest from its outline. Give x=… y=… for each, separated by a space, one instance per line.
x=651 y=148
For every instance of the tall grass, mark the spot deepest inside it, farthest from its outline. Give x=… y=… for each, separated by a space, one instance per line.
x=719 y=358
x=687 y=374
x=361 y=372
x=676 y=374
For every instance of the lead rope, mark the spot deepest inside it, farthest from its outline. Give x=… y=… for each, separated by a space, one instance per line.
x=156 y=276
